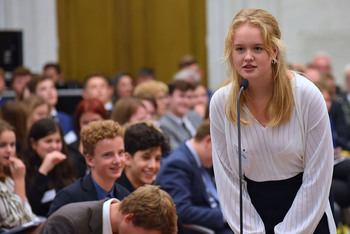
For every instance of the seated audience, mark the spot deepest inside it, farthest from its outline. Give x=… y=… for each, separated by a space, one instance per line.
x=87 y=110
x=129 y=110
x=3 y=87
x=103 y=146
x=49 y=167
x=329 y=80
x=341 y=172
x=20 y=77
x=122 y=84
x=55 y=72
x=313 y=74
x=16 y=114
x=190 y=62
x=144 y=146
x=145 y=74
x=201 y=100
x=156 y=89
x=98 y=86
x=187 y=75
x=151 y=108
x=44 y=87
x=14 y=207
x=341 y=129
x=148 y=210
x=37 y=107
x=179 y=123
x=322 y=63
x=346 y=95
x=185 y=176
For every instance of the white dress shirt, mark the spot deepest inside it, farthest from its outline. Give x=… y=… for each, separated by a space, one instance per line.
x=106 y=221
x=304 y=144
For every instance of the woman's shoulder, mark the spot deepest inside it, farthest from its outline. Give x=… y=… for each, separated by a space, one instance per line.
x=306 y=94
x=302 y=81
x=221 y=92
x=303 y=86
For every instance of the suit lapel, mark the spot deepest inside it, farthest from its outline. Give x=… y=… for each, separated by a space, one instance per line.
x=196 y=170
x=178 y=131
x=89 y=187
x=96 y=217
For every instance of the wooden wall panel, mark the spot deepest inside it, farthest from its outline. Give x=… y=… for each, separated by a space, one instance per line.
x=123 y=35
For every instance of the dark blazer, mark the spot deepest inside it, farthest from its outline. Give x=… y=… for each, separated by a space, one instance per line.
x=176 y=133
x=125 y=182
x=76 y=218
x=65 y=121
x=82 y=190
x=341 y=128
x=181 y=177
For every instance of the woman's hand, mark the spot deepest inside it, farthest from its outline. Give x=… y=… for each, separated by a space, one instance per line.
x=18 y=173
x=50 y=161
x=17 y=168
x=338 y=153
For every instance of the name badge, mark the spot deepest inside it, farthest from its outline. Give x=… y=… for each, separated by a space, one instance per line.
x=48 y=196
x=245 y=158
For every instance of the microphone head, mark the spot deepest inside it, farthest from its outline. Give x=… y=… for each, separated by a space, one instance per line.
x=244 y=84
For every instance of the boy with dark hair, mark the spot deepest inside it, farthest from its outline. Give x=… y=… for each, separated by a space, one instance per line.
x=145 y=74
x=54 y=70
x=144 y=146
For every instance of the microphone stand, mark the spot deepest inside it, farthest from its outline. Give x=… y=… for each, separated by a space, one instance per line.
x=243 y=86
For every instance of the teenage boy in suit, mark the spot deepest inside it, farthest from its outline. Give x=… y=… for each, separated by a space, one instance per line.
x=179 y=123
x=186 y=177
x=148 y=210
x=104 y=154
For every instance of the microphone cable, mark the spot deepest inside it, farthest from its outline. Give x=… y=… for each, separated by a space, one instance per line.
x=244 y=84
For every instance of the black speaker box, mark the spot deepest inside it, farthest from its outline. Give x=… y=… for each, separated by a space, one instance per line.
x=11 y=50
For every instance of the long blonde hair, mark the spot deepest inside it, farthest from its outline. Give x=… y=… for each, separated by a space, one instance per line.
x=281 y=101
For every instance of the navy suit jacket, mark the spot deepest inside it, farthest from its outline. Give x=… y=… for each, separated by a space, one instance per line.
x=65 y=121
x=82 y=190
x=181 y=177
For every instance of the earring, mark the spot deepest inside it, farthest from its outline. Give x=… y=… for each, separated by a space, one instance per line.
x=273 y=61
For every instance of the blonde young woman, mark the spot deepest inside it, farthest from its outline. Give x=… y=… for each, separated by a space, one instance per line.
x=287 y=152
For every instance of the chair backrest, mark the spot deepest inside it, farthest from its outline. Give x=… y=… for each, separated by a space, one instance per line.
x=198 y=228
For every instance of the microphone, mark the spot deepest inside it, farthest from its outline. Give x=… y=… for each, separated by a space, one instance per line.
x=244 y=85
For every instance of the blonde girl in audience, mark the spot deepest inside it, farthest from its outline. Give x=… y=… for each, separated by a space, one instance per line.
x=156 y=89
